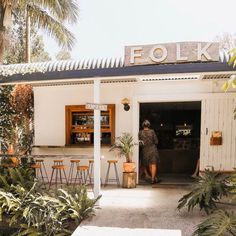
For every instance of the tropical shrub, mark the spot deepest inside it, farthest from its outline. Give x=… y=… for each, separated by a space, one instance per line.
x=24 y=205
x=220 y=223
x=7 y=114
x=207 y=190
x=233 y=182
x=77 y=204
x=23 y=176
x=35 y=213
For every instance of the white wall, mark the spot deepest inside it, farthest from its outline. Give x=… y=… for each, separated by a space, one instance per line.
x=50 y=105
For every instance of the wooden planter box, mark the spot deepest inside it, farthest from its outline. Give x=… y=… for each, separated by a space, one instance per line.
x=129 y=180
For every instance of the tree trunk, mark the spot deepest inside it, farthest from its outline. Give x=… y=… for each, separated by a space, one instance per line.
x=2 y=33
x=28 y=38
x=2 y=43
x=5 y=23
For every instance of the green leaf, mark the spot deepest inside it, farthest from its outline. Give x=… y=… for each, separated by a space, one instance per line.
x=206 y=191
x=232 y=58
x=220 y=223
x=26 y=211
x=234 y=82
x=225 y=86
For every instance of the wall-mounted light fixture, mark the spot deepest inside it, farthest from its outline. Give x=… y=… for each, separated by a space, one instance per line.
x=126 y=103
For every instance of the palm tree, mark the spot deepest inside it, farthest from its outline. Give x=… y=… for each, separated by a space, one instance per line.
x=49 y=15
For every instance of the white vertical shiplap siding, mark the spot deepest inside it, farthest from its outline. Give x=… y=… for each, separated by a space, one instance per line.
x=233 y=137
x=217 y=115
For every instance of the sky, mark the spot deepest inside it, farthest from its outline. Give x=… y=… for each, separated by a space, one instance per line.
x=106 y=26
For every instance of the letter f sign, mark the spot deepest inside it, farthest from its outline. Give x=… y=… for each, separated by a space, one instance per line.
x=134 y=53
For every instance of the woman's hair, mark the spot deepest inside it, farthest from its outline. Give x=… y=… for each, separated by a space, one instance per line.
x=146 y=124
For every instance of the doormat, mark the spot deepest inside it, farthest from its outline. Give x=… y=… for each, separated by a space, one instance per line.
x=171 y=185
x=170 y=180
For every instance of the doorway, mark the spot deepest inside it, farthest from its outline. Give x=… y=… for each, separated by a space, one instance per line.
x=177 y=125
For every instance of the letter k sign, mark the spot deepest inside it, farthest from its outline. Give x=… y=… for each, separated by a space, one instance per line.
x=203 y=52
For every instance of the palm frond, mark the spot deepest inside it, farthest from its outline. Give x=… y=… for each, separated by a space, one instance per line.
x=65 y=10
x=124 y=146
x=52 y=26
x=232 y=60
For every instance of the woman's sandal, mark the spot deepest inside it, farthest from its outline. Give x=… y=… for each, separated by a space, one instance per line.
x=155 y=180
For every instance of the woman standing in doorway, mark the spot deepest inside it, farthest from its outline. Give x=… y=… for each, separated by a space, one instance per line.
x=150 y=155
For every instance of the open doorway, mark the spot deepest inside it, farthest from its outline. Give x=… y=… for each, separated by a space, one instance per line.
x=177 y=125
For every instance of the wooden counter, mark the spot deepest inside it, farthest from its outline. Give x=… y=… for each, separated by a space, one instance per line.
x=178 y=161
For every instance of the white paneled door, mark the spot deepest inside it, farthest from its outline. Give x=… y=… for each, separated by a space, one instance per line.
x=218 y=115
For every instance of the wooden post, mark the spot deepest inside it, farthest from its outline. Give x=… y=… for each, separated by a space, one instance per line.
x=129 y=179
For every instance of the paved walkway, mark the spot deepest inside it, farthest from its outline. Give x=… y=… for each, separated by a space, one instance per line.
x=114 y=231
x=144 y=207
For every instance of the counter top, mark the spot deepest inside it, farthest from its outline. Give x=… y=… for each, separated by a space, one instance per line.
x=50 y=156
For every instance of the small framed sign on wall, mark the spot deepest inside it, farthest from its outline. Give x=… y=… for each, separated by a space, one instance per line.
x=216 y=138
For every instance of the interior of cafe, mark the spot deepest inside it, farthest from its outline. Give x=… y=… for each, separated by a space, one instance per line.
x=177 y=126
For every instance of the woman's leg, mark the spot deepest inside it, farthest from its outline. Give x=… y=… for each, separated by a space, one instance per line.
x=153 y=170
x=156 y=178
x=147 y=175
x=146 y=169
x=195 y=174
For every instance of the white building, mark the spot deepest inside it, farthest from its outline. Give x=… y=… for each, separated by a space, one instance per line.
x=178 y=91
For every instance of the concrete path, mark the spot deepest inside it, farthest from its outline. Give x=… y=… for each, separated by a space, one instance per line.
x=114 y=231
x=144 y=207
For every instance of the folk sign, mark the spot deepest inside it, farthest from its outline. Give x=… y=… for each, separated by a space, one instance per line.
x=171 y=53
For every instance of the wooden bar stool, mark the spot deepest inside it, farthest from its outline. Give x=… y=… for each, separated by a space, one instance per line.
x=40 y=170
x=73 y=163
x=90 y=170
x=114 y=162
x=82 y=174
x=59 y=167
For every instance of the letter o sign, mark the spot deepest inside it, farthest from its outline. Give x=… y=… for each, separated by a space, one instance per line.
x=163 y=53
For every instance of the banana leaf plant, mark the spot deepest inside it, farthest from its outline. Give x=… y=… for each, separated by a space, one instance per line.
x=220 y=223
x=207 y=190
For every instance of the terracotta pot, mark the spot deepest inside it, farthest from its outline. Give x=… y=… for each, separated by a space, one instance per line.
x=129 y=167
x=10 y=149
x=15 y=161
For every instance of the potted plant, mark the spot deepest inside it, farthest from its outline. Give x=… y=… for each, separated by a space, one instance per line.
x=124 y=147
